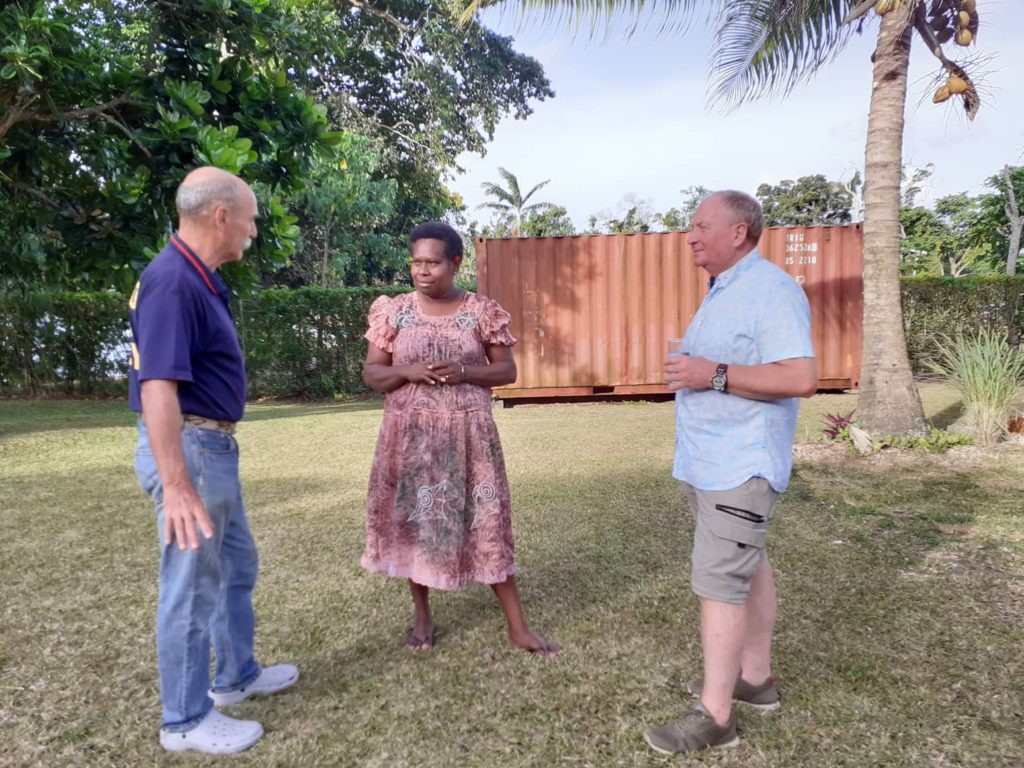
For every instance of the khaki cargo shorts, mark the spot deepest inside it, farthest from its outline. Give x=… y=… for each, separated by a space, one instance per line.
x=729 y=538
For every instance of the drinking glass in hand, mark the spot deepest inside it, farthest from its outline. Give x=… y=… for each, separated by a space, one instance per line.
x=675 y=347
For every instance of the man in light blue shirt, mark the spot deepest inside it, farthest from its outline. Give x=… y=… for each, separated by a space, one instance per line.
x=747 y=357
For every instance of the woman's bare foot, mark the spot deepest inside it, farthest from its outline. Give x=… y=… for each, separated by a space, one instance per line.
x=422 y=639
x=531 y=642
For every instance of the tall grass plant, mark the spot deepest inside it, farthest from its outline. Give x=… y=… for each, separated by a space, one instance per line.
x=988 y=373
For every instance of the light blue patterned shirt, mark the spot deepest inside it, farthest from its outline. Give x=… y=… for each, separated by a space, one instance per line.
x=754 y=314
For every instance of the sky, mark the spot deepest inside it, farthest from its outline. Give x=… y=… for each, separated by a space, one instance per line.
x=631 y=116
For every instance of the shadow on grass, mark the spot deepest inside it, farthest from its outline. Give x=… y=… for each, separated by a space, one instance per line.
x=948 y=415
x=885 y=597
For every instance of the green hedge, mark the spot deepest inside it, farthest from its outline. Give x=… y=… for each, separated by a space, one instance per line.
x=68 y=343
x=308 y=342
x=933 y=306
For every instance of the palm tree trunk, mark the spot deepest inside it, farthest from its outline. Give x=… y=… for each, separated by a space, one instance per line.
x=888 y=403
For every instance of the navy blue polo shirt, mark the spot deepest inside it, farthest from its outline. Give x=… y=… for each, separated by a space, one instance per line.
x=182 y=330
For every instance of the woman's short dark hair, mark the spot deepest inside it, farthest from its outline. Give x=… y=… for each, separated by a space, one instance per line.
x=438 y=230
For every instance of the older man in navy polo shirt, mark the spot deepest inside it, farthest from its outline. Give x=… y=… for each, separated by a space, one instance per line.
x=747 y=358
x=188 y=383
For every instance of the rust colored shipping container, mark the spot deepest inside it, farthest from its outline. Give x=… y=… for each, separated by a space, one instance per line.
x=593 y=313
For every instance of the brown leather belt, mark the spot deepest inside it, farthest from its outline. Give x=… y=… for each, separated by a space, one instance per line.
x=227 y=427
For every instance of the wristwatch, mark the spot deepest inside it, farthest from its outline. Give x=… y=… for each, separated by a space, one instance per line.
x=719 y=380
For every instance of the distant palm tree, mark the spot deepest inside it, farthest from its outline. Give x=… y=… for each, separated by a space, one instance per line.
x=769 y=46
x=510 y=201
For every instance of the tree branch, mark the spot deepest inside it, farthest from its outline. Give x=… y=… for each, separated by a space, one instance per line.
x=1012 y=212
x=127 y=132
x=14 y=114
x=380 y=14
x=40 y=196
x=79 y=114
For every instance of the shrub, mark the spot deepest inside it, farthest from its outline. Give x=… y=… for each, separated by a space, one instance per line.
x=987 y=372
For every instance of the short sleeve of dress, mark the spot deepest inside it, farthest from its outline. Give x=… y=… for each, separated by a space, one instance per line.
x=382 y=330
x=494 y=323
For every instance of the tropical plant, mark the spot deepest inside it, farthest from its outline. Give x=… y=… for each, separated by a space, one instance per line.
x=509 y=202
x=936 y=441
x=989 y=374
x=837 y=426
x=770 y=46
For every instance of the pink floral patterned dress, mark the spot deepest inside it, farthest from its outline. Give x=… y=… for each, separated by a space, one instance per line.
x=438 y=509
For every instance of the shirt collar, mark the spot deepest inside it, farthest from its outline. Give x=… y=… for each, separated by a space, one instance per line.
x=733 y=272
x=212 y=279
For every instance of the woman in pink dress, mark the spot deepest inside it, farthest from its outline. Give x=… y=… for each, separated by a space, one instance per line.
x=438 y=511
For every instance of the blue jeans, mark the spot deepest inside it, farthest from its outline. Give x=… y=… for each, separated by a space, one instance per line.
x=205 y=593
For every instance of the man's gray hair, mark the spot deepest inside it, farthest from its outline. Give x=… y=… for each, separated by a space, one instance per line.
x=746 y=209
x=195 y=198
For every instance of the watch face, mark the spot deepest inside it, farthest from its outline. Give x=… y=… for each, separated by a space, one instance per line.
x=718 y=379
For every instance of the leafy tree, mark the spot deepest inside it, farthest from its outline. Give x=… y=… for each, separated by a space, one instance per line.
x=552 y=221
x=808 y=201
x=680 y=219
x=108 y=104
x=424 y=90
x=1003 y=213
x=630 y=216
x=510 y=203
x=105 y=104
x=770 y=46
x=343 y=211
x=949 y=240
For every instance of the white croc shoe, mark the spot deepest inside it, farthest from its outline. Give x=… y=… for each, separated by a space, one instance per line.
x=271 y=680
x=216 y=734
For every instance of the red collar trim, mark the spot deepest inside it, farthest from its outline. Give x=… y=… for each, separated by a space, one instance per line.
x=192 y=259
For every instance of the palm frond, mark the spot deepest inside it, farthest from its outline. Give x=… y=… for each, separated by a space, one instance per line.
x=768 y=47
x=599 y=14
x=497 y=191
x=502 y=207
x=539 y=186
x=515 y=196
x=538 y=207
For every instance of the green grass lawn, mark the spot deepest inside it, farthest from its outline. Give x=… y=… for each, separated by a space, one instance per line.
x=901 y=578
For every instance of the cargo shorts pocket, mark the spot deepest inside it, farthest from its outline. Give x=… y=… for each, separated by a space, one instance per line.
x=742 y=526
x=726 y=554
x=744 y=532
